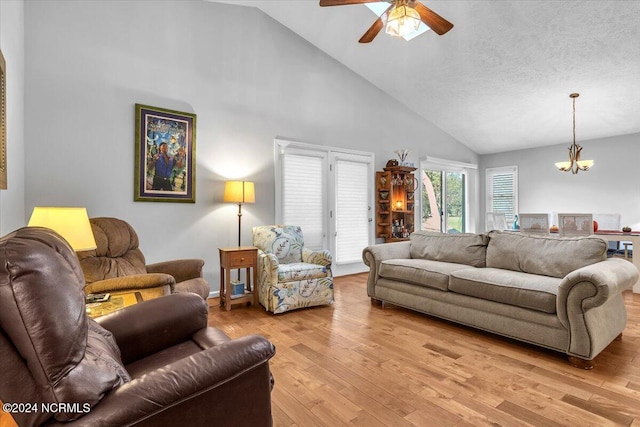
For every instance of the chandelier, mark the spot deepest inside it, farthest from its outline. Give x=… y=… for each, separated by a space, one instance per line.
x=574 y=164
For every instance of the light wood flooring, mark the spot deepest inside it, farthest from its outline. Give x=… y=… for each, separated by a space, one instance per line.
x=352 y=363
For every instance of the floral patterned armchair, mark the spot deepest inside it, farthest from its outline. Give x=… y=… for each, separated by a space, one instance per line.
x=290 y=276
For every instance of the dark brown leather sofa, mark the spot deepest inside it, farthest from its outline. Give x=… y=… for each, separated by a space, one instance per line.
x=152 y=364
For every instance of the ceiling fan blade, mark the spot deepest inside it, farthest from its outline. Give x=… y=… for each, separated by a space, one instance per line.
x=434 y=21
x=374 y=29
x=345 y=2
x=372 y=32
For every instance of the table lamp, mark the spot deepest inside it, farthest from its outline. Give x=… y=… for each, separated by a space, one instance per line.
x=239 y=192
x=69 y=222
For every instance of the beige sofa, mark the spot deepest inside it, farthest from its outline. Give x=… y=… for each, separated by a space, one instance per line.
x=559 y=293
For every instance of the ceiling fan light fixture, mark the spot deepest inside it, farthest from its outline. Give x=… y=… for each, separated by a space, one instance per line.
x=402 y=21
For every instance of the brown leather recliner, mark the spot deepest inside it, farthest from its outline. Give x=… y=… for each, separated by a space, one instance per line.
x=155 y=363
x=117 y=265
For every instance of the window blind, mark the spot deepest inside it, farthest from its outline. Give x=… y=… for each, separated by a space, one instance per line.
x=502 y=196
x=351 y=210
x=303 y=196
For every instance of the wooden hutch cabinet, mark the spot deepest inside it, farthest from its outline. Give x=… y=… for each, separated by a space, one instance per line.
x=395 y=202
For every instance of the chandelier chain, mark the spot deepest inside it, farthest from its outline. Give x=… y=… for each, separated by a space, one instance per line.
x=574 y=119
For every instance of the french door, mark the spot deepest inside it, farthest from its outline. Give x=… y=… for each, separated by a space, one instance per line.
x=327 y=192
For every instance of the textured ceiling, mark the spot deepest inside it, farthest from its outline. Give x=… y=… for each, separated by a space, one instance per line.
x=500 y=79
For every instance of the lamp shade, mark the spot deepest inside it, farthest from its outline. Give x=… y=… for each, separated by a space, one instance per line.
x=239 y=192
x=71 y=223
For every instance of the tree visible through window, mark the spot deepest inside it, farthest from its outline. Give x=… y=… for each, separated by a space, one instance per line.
x=431 y=200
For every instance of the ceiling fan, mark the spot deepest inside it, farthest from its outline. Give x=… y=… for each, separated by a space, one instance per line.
x=401 y=18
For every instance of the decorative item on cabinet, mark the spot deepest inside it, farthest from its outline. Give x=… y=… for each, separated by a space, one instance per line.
x=395 y=202
x=516 y=225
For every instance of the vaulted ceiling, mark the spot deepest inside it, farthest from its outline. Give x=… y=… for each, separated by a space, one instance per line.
x=500 y=79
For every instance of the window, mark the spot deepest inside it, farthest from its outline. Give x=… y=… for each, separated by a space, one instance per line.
x=502 y=191
x=444 y=195
x=326 y=191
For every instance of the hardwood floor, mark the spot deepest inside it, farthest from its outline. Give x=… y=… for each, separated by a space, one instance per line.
x=356 y=364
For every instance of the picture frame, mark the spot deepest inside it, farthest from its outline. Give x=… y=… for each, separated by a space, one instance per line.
x=575 y=224
x=165 y=155
x=3 y=123
x=534 y=223
x=496 y=221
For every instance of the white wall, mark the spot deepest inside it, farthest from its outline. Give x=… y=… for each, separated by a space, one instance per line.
x=612 y=185
x=88 y=63
x=12 y=202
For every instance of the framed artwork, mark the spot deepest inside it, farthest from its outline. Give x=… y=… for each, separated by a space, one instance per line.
x=3 y=124
x=575 y=224
x=534 y=223
x=496 y=221
x=165 y=155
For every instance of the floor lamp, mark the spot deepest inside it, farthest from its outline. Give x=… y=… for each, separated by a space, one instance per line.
x=239 y=192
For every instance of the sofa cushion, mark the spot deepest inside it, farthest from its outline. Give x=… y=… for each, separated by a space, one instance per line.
x=432 y=274
x=546 y=255
x=300 y=271
x=509 y=287
x=117 y=252
x=284 y=241
x=460 y=248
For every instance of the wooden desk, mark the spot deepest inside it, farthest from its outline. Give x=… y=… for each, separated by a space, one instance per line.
x=633 y=237
x=115 y=303
x=238 y=257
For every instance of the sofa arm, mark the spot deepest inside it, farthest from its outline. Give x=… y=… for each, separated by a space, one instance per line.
x=131 y=283
x=322 y=257
x=375 y=254
x=150 y=326
x=594 y=284
x=589 y=304
x=190 y=390
x=180 y=269
x=267 y=276
x=267 y=267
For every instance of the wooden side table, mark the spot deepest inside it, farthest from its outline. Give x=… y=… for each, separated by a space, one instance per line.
x=238 y=257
